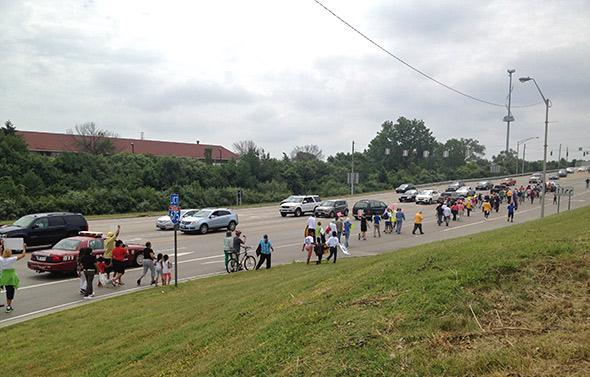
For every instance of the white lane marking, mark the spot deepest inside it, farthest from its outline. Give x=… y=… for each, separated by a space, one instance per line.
x=181 y=254
x=134 y=239
x=214 y=262
x=466 y=225
x=102 y=297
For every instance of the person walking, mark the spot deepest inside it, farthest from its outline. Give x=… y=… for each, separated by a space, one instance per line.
x=418 y=218
x=119 y=254
x=454 y=210
x=468 y=206
x=318 y=248
x=265 y=250
x=88 y=263
x=347 y=228
x=339 y=227
x=158 y=265
x=399 y=219
x=308 y=245
x=446 y=214
x=587 y=183
x=376 y=225
x=311 y=224
x=109 y=246
x=510 y=212
x=439 y=214
x=148 y=263
x=333 y=245
x=8 y=276
x=532 y=195
x=388 y=224
x=364 y=226
x=487 y=209
x=228 y=244
x=166 y=270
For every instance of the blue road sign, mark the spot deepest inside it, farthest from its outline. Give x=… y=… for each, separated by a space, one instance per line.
x=174 y=213
x=174 y=200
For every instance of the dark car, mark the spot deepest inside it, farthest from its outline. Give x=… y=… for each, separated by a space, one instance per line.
x=405 y=187
x=484 y=185
x=498 y=188
x=554 y=177
x=454 y=186
x=330 y=208
x=63 y=257
x=408 y=196
x=45 y=229
x=369 y=207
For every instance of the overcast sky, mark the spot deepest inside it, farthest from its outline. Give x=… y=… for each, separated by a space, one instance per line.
x=287 y=73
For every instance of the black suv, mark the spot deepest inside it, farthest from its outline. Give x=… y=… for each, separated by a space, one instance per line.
x=45 y=229
x=369 y=207
x=330 y=208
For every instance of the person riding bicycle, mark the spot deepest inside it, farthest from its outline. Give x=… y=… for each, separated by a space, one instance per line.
x=238 y=243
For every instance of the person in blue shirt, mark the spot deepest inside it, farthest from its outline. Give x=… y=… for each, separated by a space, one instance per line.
x=399 y=218
x=510 y=212
x=347 y=229
x=265 y=249
x=376 y=225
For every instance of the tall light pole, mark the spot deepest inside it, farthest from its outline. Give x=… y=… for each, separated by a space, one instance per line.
x=547 y=104
x=352 y=171
x=509 y=118
x=523 y=141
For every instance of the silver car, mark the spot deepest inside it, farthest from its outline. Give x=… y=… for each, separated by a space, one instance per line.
x=165 y=223
x=209 y=218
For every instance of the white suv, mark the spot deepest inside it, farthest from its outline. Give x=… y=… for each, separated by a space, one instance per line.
x=299 y=204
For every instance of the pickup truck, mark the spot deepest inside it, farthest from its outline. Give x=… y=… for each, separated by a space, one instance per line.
x=299 y=204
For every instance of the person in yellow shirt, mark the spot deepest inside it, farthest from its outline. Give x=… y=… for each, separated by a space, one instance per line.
x=468 y=206
x=487 y=208
x=418 y=222
x=109 y=246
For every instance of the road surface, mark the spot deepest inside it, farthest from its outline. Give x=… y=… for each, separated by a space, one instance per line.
x=202 y=255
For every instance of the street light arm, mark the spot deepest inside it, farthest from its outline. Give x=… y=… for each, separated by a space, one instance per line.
x=526 y=139
x=540 y=92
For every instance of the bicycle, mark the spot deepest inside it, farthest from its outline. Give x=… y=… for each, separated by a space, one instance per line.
x=243 y=261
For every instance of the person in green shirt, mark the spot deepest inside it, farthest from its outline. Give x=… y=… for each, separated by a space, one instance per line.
x=109 y=245
x=227 y=246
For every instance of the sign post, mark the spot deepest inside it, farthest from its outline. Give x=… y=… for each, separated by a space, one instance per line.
x=174 y=213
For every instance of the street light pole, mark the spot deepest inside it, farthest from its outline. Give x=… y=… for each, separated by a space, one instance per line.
x=523 y=141
x=352 y=171
x=509 y=118
x=547 y=104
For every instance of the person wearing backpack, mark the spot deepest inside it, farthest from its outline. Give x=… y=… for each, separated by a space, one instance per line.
x=265 y=246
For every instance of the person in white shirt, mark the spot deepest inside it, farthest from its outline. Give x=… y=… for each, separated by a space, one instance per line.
x=311 y=226
x=8 y=278
x=333 y=227
x=333 y=245
x=446 y=213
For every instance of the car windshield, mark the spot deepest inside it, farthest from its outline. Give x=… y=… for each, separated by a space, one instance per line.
x=203 y=213
x=67 y=244
x=294 y=199
x=328 y=203
x=483 y=183
x=24 y=221
x=411 y=192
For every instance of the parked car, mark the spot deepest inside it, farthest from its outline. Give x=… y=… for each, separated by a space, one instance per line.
x=299 y=204
x=498 y=188
x=508 y=181
x=165 y=223
x=562 y=173
x=408 y=196
x=329 y=208
x=570 y=170
x=369 y=207
x=42 y=230
x=405 y=187
x=427 y=196
x=63 y=256
x=484 y=185
x=208 y=219
x=465 y=191
x=454 y=186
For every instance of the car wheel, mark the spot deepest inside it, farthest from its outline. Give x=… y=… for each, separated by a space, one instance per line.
x=231 y=226
x=204 y=228
x=283 y=214
x=430 y=201
x=298 y=212
x=139 y=259
x=346 y=212
x=332 y=214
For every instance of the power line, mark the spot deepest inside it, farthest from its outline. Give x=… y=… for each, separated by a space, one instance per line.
x=414 y=68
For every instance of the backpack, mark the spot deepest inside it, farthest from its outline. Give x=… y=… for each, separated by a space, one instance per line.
x=258 y=249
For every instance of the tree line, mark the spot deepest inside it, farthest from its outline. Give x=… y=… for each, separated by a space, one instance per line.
x=100 y=183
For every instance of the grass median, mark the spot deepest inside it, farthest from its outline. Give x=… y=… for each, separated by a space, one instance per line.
x=514 y=301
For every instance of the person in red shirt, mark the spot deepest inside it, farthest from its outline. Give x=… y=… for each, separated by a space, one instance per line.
x=119 y=254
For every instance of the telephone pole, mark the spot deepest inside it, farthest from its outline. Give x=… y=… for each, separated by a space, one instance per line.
x=509 y=118
x=352 y=171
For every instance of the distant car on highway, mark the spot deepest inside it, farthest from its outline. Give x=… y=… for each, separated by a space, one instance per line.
x=570 y=170
x=427 y=196
x=208 y=219
x=554 y=177
x=297 y=205
x=63 y=257
x=499 y=188
x=484 y=185
x=508 y=181
x=455 y=185
x=165 y=223
x=330 y=208
x=563 y=172
x=369 y=207
x=405 y=187
x=408 y=196
x=45 y=229
x=535 y=180
x=465 y=191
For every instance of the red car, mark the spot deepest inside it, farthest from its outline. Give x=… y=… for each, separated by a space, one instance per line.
x=508 y=181
x=63 y=257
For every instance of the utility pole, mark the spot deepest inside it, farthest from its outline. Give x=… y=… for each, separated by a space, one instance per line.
x=509 y=118
x=523 y=156
x=559 y=157
x=352 y=171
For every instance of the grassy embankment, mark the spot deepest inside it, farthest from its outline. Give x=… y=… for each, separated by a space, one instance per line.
x=509 y=302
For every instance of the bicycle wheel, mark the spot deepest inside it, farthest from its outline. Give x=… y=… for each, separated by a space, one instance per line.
x=249 y=263
x=232 y=266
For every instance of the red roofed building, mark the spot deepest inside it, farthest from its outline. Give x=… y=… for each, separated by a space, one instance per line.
x=48 y=143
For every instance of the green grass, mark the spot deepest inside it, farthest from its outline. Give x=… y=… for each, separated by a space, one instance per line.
x=402 y=313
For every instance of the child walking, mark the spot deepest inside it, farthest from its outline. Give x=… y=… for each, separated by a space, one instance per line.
x=166 y=270
x=158 y=266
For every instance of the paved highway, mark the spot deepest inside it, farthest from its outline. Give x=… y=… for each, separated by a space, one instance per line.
x=202 y=255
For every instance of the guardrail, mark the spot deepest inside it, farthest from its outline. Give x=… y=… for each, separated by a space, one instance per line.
x=475 y=180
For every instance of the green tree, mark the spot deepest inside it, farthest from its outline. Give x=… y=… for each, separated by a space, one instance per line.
x=9 y=129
